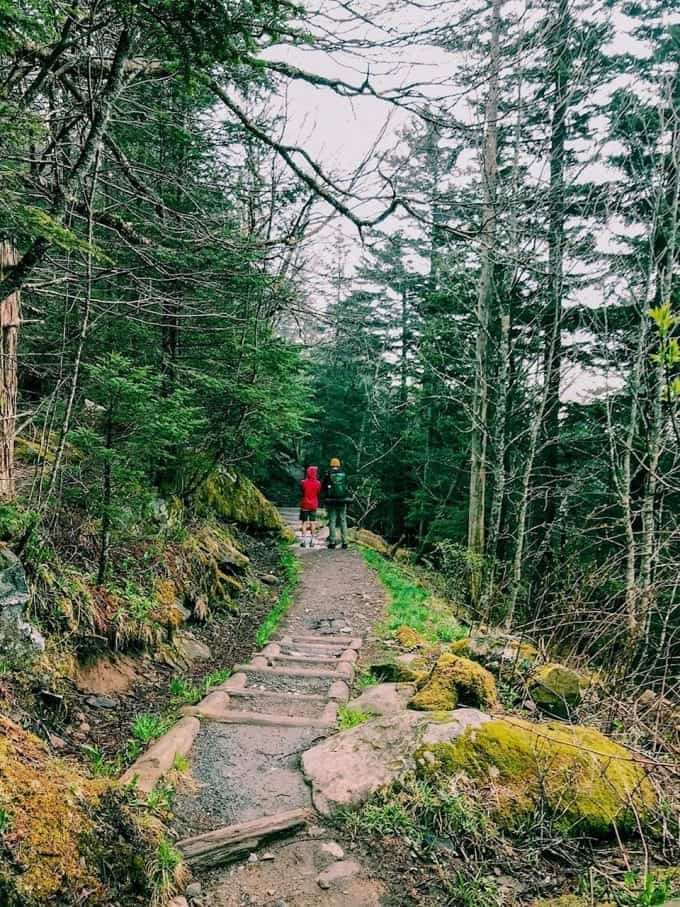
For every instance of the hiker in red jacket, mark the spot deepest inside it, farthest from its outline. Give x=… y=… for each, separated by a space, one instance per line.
x=311 y=486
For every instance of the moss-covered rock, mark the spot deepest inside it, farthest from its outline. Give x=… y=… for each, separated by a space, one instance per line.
x=209 y=569
x=404 y=556
x=455 y=680
x=233 y=498
x=371 y=540
x=586 y=782
x=556 y=689
x=60 y=828
x=393 y=670
x=410 y=639
x=27 y=451
x=498 y=652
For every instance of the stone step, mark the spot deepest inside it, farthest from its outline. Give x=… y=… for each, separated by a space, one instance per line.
x=341 y=671
x=301 y=705
x=299 y=649
x=331 y=655
x=304 y=661
x=234 y=716
x=347 y=642
x=281 y=681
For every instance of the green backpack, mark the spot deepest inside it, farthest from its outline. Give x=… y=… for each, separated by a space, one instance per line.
x=338 y=485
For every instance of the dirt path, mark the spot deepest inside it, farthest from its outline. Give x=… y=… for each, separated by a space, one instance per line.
x=245 y=759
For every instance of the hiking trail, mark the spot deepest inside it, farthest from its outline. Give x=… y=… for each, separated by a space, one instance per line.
x=244 y=743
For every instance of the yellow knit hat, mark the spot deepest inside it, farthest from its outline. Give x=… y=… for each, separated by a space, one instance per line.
x=335 y=462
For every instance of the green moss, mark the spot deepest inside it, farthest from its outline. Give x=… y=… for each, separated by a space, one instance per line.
x=68 y=834
x=452 y=680
x=409 y=638
x=587 y=782
x=16 y=522
x=557 y=689
x=349 y=718
x=234 y=498
x=28 y=451
x=371 y=540
x=498 y=652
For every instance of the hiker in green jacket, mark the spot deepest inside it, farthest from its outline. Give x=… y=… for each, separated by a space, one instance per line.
x=336 y=495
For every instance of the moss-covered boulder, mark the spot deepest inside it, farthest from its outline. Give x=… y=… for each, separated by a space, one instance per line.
x=498 y=652
x=556 y=689
x=370 y=540
x=59 y=829
x=210 y=569
x=233 y=498
x=398 y=669
x=582 y=780
x=409 y=638
x=455 y=680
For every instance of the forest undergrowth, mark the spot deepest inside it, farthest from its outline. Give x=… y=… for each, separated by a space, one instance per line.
x=468 y=849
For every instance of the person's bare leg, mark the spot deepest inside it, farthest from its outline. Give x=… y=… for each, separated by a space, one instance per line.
x=302 y=533
x=312 y=532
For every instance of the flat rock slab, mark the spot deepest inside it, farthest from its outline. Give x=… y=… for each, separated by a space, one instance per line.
x=383 y=698
x=242 y=772
x=338 y=873
x=346 y=769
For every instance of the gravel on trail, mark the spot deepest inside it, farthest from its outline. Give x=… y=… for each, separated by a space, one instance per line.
x=241 y=772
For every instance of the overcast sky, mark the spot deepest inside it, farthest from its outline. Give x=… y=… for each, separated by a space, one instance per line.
x=344 y=134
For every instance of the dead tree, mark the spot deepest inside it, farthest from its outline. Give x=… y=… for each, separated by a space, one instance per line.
x=10 y=317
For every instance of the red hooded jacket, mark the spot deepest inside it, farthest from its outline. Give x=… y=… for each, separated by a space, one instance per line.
x=311 y=487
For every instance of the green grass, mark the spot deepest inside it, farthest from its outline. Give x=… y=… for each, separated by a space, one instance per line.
x=348 y=717
x=180 y=764
x=470 y=888
x=159 y=800
x=148 y=726
x=100 y=766
x=162 y=871
x=411 y=603
x=424 y=812
x=291 y=569
x=376 y=818
x=183 y=691
x=5 y=821
x=365 y=679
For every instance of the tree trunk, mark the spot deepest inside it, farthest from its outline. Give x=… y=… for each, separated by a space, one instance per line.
x=485 y=294
x=106 y=501
x=665 y=254
x=10 y=318
x=552 y=322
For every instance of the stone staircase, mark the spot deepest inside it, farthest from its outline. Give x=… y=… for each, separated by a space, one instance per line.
x=298 y=681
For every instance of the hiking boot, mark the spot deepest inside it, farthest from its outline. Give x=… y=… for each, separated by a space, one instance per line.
x=344 y=544
x=331 y=544
x=303 y=544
